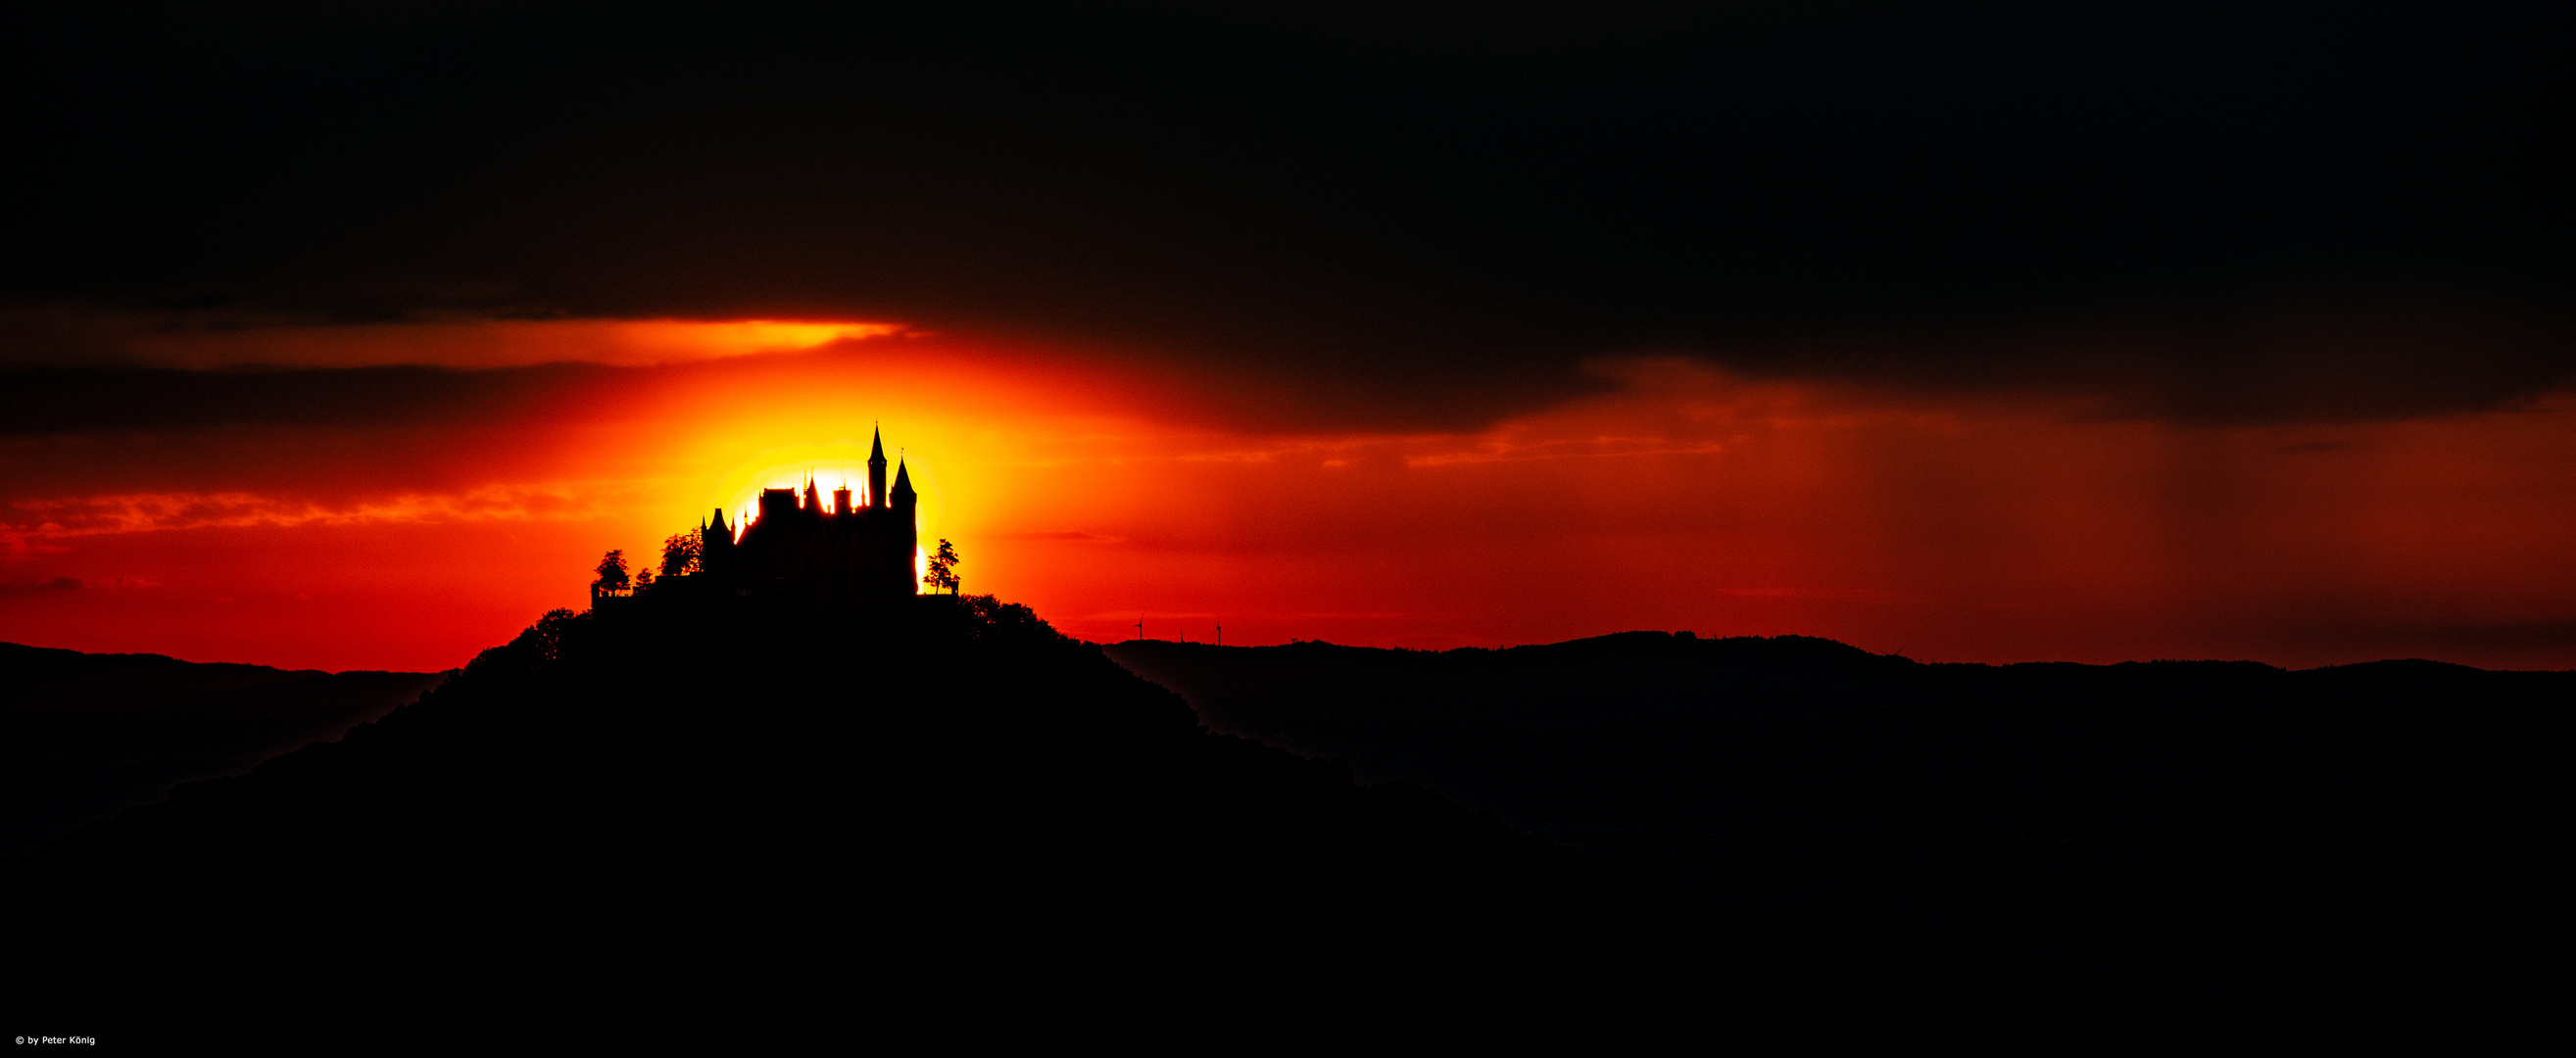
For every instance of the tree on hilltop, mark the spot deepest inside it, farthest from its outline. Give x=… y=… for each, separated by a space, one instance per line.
x=943 y=568
x=682 y=552
x=612 y=572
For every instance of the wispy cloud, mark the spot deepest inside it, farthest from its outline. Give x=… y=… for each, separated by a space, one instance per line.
x=71 y=584
x=34 y=520
x=1820 y=593
x=1503 y=450
x=38 y=587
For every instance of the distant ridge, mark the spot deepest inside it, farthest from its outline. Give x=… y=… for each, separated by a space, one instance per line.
x=2332 y=845
x=85 y=735
x=1790 y=677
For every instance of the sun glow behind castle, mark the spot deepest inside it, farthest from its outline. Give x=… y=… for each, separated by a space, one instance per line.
x=839 y=464
x=795 y=523
x=1975 y=526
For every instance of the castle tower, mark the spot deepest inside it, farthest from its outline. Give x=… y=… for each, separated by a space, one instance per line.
x=876 y=470
x=906 y=534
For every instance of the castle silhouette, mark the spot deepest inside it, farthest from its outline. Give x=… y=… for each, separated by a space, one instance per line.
x=797 y=545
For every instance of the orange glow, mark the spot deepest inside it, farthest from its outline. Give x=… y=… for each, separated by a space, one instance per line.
x=492 y=343
x=1950 y=528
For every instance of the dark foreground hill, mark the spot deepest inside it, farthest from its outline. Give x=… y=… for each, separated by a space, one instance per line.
x=2341 y=845
x=83 y=735
x=760 y=826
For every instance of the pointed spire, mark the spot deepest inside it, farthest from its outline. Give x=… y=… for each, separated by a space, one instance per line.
x=876 y=469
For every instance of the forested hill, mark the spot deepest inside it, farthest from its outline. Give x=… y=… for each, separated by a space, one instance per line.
x=84 y=735
x=2365 y=839
x=944 y=805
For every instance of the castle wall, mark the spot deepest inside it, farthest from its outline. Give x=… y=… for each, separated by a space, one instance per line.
x=866 y=552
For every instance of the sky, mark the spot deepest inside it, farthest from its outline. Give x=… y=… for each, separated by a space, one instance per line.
x=352 y=339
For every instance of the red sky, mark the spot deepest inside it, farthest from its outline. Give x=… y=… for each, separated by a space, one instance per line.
x=1978 y=527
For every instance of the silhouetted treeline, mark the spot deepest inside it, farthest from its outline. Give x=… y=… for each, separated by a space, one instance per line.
x=929 y=815
x=2349 y=846
x=83 y=735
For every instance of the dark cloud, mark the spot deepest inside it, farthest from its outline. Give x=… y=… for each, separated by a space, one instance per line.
x=2305 y=356
x=2221 y=213
x=76 y=401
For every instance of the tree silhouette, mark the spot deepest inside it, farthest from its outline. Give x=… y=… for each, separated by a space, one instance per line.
x=612 y=572
x=943 y=568
x=680 y=553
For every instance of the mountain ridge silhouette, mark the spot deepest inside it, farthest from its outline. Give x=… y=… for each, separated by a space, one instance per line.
x=83 y=736
x=2291 y=844
x=684 y=809
x=664 y=818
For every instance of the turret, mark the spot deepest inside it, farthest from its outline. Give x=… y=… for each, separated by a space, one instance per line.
x=904 y=497
x=715 y=544
x=876 y=470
